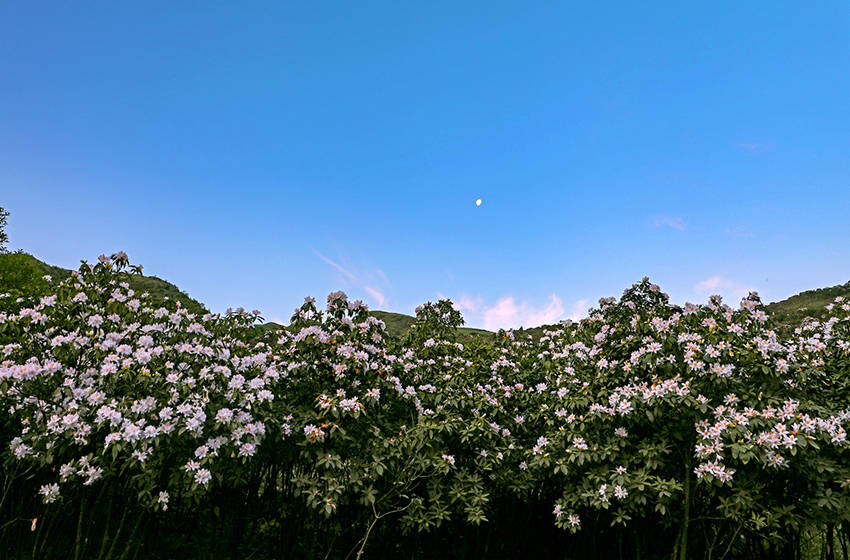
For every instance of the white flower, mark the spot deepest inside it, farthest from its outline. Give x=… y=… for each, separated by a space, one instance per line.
x=224 y=415
x=50 y=493
x=203 y=476
x=247 y=450
x=66 y=471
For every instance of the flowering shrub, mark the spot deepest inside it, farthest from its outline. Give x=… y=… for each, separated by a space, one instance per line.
x=694 y=419
x=97 y=382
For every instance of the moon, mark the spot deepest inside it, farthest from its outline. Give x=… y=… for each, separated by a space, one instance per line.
x=478 y=202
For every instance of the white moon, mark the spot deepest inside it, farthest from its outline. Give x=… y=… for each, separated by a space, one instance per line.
x=478 y=202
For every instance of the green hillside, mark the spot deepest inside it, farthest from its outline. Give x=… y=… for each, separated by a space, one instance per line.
x=398 y=324
x=23 y=275
x=788 y=313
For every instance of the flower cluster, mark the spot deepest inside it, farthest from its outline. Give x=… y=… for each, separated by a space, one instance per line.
x=621 y=412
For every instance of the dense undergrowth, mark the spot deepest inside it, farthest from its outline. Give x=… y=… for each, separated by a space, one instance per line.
x=138 y=428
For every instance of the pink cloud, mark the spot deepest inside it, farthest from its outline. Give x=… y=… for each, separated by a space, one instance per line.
x=508 y=313
x=721 y=285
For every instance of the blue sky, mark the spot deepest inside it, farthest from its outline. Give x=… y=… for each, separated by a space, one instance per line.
x=254 y=153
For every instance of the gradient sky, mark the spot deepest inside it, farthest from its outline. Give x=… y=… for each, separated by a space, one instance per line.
x=254 y=153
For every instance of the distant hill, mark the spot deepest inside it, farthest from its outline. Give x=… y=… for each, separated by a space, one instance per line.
x=398 y=324
x=22 y=274
x=789 y=313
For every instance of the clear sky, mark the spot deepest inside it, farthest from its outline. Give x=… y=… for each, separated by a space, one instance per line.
x=254 y=153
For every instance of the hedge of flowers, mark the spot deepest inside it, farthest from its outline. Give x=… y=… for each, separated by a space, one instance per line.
x=698 y=421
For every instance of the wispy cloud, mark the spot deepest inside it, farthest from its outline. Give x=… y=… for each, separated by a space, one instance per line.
x=675 y=222
x=381 y=275
x=376 y=295
x=337 y=266
x=722 y=285
x=755 y=147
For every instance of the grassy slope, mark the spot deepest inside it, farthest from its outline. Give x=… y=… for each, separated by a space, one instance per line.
x=398 y=324
x=788 y=313
x=20 y=270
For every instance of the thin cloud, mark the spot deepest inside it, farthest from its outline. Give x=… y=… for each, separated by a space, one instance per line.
x=336 y=266
x=377 y=295
x=382 y=276
x=721 y=285
x=675 y=222
x=755 y=147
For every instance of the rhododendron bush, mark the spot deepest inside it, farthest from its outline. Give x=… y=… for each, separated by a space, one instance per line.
x=646 y=430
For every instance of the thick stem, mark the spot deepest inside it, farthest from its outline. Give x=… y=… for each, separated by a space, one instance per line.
x=620 y=544
x=830 y=541
x=686 y=515
x=105 y=539
x=711 y=544
x=43 y=531
x=731 y=542
x=366 y=537
x=637 y=544
x=118 y=532
x=131 y=541
x=79 y=540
